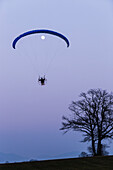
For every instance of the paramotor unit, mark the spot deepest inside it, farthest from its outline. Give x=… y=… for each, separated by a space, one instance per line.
x=41 y=80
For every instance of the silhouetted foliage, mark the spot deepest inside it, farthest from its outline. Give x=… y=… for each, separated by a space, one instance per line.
x=83 y=154
x=104 y=152
x=93 y=116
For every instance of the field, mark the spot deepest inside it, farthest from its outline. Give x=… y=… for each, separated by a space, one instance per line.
x=89 y=163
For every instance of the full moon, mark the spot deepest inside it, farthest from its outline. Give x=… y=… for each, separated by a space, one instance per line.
x=43 y=37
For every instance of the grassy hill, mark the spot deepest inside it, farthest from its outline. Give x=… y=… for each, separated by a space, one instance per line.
x=89 y=163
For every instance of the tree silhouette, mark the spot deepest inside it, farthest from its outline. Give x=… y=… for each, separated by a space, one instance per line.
x=93 y=116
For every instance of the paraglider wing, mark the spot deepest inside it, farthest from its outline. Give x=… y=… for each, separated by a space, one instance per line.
x=40 y=31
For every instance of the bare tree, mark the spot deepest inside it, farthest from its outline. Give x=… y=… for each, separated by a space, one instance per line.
x=93 y=116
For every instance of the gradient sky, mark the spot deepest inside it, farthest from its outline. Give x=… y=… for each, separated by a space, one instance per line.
x=31 y=115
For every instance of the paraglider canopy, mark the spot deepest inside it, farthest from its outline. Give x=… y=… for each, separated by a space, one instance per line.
x=40 y=31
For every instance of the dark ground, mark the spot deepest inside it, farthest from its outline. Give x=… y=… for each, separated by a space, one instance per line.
x=89 y=163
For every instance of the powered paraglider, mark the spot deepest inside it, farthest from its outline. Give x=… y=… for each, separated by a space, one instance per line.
x=40 y=31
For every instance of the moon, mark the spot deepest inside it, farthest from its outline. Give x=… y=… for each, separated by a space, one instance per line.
x=43 y=37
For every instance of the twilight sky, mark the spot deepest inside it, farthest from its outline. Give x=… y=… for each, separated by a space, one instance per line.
x=31 y=115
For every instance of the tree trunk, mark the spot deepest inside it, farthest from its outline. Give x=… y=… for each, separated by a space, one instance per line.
x=93 y=147
x=99 y=148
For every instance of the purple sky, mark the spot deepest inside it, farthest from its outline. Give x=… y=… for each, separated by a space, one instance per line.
x=31 y=115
